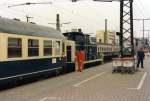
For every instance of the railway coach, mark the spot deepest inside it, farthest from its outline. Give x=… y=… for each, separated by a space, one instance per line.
x=28 y=50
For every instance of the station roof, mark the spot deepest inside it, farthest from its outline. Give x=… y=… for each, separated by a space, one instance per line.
x=23 y=28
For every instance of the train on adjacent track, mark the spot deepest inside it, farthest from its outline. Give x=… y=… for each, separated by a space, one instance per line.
x=28 y=50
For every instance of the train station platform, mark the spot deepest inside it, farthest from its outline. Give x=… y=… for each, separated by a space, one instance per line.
x=93 y=84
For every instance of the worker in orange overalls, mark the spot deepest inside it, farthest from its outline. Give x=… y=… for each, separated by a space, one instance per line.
x=82 y=60
x=80 y=56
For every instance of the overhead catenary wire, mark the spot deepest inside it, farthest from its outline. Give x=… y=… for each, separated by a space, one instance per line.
x=27 y=13
x=69 y=13
x=40 y=16
x=91 y=7
x=24 y=13
x=78 y=17
x=85 y=19
x=78 y=14
x=5 y=9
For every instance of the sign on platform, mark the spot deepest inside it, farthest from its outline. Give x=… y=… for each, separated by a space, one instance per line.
x=128 y=63
x=117 y=63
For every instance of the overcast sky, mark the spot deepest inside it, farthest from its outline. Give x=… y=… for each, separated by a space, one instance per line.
x=84 y=14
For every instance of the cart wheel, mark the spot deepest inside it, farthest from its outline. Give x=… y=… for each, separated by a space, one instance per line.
x=122 y=70
x=114 y=70
x=132 y=70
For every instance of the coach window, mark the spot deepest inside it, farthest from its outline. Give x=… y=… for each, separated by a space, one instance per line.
x=47 y=48
x=57 y=47
x=14 y=47
x=33 y=47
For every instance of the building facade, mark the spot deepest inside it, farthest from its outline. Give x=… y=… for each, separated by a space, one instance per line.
x=110 y=37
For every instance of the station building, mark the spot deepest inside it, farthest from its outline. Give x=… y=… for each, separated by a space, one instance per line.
x=110 y=37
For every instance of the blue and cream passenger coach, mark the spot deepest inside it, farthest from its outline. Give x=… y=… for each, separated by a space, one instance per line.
x=28 y=50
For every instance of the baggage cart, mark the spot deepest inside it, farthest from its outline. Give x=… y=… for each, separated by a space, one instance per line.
x=126 y=64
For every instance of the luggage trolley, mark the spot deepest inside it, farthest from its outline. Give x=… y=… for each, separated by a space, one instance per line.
x=126 y=64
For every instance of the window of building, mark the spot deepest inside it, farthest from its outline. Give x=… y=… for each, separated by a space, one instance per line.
x=33 y=47
x=102 y=48
x=47 y=48
x=14 y=47
x=100 y=40
x=57 y=47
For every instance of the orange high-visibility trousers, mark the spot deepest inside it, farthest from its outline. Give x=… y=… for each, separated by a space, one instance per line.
x=81 y=64
x=80 y=60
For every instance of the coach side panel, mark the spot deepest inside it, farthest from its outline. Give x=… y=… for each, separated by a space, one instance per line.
x=3 y=47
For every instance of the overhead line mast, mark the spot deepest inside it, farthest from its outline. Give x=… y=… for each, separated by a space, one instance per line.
x=126 y=25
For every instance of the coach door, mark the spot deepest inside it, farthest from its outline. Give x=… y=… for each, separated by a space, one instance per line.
x=69 y=52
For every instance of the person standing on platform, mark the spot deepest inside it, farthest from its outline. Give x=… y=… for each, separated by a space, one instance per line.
x=80 y=60
x=140 y=57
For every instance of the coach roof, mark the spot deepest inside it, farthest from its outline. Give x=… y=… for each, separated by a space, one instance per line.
x=23 y=28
